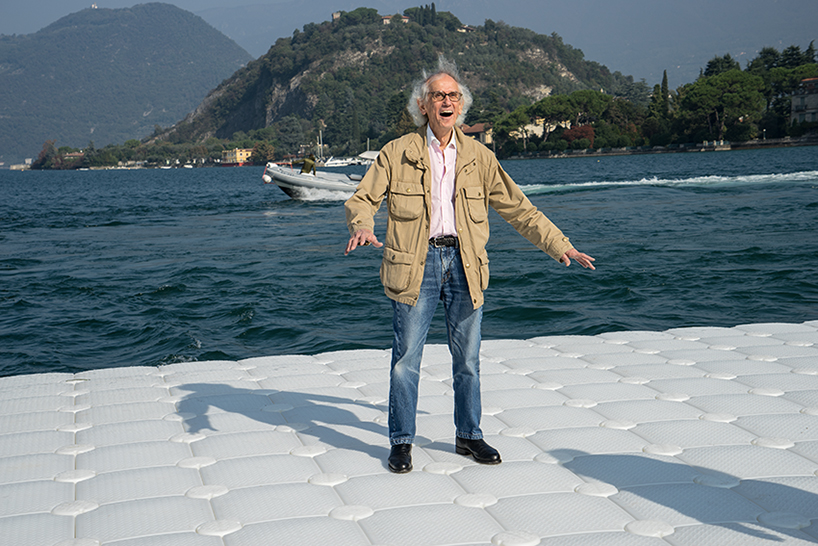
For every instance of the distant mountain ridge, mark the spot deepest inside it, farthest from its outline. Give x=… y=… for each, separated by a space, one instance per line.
x=107 y=76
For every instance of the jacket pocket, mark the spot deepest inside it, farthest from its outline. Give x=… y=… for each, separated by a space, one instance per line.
x=476 y=202
x=484 y=270
x=405 y=200
x=396 y=269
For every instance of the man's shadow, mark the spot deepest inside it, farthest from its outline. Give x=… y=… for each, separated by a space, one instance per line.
x=704 y=495
x=321 y=416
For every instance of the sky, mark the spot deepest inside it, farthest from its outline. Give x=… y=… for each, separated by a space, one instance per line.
x=641 y=38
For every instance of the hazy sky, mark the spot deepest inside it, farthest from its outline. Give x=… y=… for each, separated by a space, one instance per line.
x=636 y=37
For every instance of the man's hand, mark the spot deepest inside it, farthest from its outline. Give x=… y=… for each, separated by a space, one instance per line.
x=582 y=259
x=362 y=237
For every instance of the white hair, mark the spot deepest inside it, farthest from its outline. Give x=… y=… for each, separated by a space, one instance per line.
x=421 y=90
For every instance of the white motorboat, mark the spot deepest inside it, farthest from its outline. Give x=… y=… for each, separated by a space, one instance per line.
x=297 y=184
x=304 y=185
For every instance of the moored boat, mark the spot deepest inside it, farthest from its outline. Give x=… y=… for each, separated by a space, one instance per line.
x=365 y=158
x=340 y=162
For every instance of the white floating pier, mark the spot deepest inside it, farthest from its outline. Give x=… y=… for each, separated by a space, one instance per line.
x=686 y=437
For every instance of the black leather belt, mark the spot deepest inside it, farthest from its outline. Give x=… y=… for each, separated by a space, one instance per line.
x=445 y=240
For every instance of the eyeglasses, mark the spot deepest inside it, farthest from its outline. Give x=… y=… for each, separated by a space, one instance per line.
x=438 y=96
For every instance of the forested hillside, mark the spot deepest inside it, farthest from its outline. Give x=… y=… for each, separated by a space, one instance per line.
x=107 y=75
x=350 y=78
x=724 y=103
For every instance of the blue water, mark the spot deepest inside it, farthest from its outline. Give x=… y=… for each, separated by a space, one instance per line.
x=126 y=268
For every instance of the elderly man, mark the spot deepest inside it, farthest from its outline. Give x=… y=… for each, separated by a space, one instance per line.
x=438 y=185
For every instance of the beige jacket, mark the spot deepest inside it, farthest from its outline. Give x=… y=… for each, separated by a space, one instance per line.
x=402 y=175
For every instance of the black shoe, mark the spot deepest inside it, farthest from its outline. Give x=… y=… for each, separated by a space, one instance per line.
x=400 y=458
x=479 y=449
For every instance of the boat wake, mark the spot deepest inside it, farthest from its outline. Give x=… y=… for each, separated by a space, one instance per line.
x=696 y=181
x=313 y=194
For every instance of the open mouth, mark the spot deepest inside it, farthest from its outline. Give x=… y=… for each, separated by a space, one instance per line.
x=446 y=113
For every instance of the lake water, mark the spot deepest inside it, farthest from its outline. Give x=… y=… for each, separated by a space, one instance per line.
x=125 y=268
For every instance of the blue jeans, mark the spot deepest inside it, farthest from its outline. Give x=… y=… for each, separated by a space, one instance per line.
x=443 y=279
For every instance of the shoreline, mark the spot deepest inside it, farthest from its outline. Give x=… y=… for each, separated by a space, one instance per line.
x=710 y=146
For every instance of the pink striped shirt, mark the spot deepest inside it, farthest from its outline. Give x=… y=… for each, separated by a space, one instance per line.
x=443 y=166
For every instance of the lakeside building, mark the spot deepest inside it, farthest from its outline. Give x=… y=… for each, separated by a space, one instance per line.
x=481 y=132
x=539 y=128
x=236 y=157
x=387 y=19
x=24 y=166
x=804 y=107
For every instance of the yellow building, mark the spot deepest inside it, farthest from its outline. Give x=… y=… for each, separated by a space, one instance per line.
x=236 y=156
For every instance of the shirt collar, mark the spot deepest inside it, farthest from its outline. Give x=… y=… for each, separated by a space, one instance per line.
x=430 y=135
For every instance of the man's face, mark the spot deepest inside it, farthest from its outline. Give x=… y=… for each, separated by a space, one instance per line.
x=442 y=115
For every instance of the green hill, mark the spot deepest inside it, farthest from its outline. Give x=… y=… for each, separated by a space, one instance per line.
x=107 y=76
x=351 y=78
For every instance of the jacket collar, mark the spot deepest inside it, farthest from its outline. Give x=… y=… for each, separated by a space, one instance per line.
x=465 y=149
x=417 y=150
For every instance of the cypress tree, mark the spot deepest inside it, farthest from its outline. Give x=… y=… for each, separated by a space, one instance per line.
x=809 y=54
x=665 y=103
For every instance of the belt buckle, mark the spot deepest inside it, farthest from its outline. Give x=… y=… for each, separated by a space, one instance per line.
x=443 y=241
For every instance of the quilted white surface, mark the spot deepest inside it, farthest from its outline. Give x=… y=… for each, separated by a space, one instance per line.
x=686 y=437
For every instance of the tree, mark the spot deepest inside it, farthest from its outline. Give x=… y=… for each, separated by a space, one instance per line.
x=395 y=108
x=719 y=65
x=290 y=135
x=584 y=132
x=656 y=130
x=553 y=110
x=656 y=103
x=360 y=16
x=405 y=124
x=763 y=65
x=588 y=105
x=626 y=117
x=513 y=122
x=767 y=59
x=809 y=54
x=355 y=142
x=665 y=101
x=47 y=156
x=262 y=153
x=608 y=135
x=480 y=112
x=713 y=105
x=792 y=57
